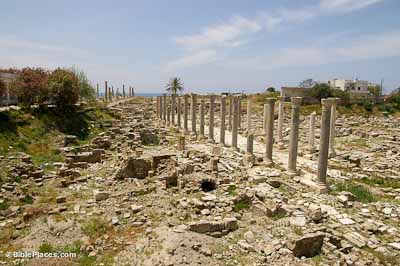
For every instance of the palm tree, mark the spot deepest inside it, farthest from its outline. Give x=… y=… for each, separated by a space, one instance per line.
x=174 y=86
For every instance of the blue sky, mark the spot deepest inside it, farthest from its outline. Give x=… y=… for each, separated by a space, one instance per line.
x=212 y=45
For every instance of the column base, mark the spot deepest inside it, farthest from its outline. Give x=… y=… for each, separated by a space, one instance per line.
x=268 y=162
x=211 y=141
x=332 y=154
x=322 y=188
x=293 y=172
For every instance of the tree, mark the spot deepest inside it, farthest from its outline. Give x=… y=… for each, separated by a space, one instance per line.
x=30 y=86
x=174 y=86
x=64 y=87
x=3 y=88
x=321 y=91
x=86 y=90
x=308 y=83
x=343 y=95
x=271 y=89
x=375 y=90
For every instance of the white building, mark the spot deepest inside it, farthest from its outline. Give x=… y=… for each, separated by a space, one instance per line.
x=352 y=86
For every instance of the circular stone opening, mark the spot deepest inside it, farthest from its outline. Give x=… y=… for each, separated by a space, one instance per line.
x=208 y=185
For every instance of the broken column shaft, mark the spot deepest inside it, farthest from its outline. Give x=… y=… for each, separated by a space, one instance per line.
x=194 y=103
x=269 y=138
x=222 y=126
x=294 y=135
x=211 y=121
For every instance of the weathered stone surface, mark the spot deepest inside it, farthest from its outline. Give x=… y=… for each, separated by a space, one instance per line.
x=224 y=226
x=134 y=168
x=308 y=245
x=100 y=195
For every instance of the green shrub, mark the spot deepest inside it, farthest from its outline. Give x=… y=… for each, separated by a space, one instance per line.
x=64 y=88
x=30 y=86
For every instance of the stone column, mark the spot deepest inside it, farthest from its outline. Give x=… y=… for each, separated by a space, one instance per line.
x=240 y=111
x=211 y=122
x=106 y=90
x=311 y=136
x=202 y=106
x=194 y=103
x=165 y=107
x=179 y=111
x=249 y=158
x=235 y=123
x=248 y=126
x=123 y=90
x=332 y=152
x=157 y=107
x=269 y=138
x=294 y=135
x=250 y=140
x=181 y=142
x=230 y=111
x=173 y=109
x=168 y=115
x=324 y=145
x=265 y=118
x=222 y=118
x=97 y=90
x=185 y=112
x=161 y=108
x=281 y=113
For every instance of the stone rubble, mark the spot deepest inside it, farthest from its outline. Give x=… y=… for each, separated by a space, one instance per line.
x=166 y=195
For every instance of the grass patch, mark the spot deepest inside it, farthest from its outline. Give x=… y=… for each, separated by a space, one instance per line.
x=26 y=200
x=82 y=257
x=316 y=260
x=95 y=228
x=360 y=192
x=232 y=190
x=358 y=143
x=4 y=205
x=380 y=182
x=241 y=205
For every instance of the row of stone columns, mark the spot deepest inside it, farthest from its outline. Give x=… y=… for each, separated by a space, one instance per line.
x=109 y=91
x=234 y=116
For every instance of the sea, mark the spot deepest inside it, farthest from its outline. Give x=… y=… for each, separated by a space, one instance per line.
x=148 y=95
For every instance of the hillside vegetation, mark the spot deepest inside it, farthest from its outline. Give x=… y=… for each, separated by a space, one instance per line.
x=40 y=132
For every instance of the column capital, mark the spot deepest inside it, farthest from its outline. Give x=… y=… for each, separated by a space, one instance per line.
x=326 y=103
x=296 y=101
x=281 y=98
x=334 y=100
x=270 y=100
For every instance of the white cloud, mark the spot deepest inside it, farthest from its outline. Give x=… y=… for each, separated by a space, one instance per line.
x=193 y=59
x=365 y=47
x=202 y=48
x=224 y=35
x=346 y=5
